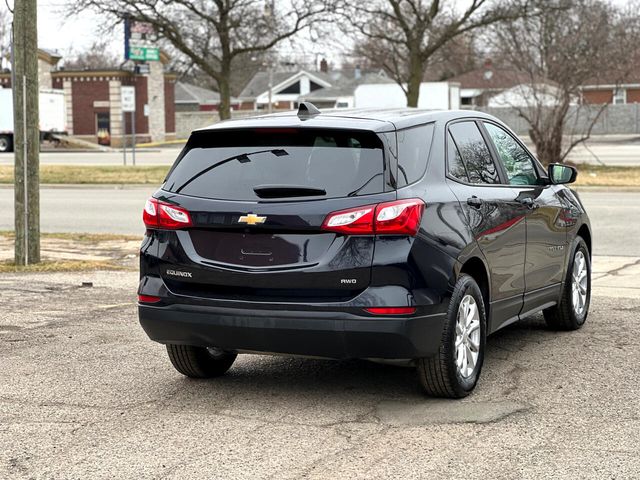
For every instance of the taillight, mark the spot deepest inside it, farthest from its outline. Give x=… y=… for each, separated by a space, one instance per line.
x=391 y=310
x=148 y=299
x=158 y=214
x=400 y=217
x=355 y=221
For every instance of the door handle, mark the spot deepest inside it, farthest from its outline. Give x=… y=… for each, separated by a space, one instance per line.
x=529 y=202
x=474 y=202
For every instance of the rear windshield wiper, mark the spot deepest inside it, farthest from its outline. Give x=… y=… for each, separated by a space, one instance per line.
x=242 y=158
x=280 y=191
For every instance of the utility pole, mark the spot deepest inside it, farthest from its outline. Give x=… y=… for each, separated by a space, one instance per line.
x=26 y=132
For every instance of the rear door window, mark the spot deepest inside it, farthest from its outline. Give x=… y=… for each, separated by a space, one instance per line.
x=413 y=152
x=474 y=152
x=456 y=165
x=229 y=164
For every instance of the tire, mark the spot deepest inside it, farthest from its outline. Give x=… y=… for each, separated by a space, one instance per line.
x=440 y=375
x=200 y=362
x=571 y=313
x=6 y=145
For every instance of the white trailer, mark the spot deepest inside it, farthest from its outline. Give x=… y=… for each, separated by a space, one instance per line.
x=53 y=115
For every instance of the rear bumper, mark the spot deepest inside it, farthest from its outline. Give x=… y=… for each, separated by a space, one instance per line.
x=314 y=333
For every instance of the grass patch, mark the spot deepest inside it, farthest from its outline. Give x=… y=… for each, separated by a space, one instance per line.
x=80 y=237
x=605 y=176
x=590 y=175
x=59 y=266
x=96 y=175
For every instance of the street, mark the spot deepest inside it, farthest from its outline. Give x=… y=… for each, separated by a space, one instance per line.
x=86 y=394
x=614 y=214
x=156 y=156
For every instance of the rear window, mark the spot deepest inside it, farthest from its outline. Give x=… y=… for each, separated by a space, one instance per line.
x=230 y=164
x=413 y=151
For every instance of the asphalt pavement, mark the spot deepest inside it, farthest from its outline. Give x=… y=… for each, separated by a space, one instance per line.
x=146 y=156
x=84 y=394
x=615 y=214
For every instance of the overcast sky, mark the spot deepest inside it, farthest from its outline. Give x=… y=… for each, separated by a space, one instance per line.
x=59 y=32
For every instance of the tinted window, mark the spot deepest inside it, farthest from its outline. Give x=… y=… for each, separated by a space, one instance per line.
x=456 y=166
x=517 y=162
x=229 y=164
x=474 y=152
x=413 y=152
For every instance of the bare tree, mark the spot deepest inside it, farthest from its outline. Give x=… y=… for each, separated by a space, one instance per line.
x=97 y=56
x=559 y=50
x=217 y=36
x=407 y=34
x=458 y=56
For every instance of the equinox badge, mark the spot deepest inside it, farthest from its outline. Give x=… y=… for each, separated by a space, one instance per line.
x=251 y=219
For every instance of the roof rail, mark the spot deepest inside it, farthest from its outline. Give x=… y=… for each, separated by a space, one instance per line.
x=307 y=109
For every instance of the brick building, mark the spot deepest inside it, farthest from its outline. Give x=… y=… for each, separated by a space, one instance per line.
x=93 y=105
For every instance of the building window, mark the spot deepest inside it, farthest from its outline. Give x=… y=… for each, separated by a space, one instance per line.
x=295 y=88
x=619 y=96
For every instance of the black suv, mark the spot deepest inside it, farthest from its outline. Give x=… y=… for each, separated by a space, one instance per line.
x=390 y=234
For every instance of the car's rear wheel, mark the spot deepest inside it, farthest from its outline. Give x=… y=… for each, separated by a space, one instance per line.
x=200 y=362
x=454 y=371
x=573 y=308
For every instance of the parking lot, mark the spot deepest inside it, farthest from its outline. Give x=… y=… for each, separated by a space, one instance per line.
x=86 y=395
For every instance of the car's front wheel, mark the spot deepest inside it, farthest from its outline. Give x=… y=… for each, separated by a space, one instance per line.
x=200 y=362
x=454 y=371
x=573 y=307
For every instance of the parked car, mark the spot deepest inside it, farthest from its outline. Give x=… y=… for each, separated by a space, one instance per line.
x=399 y=234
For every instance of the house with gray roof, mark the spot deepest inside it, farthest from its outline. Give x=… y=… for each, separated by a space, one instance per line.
x=286 y=88
x=342 y=93
x=324 y=89
x=191 y=98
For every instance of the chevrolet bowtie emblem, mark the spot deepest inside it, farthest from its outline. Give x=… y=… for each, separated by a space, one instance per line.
x=251 y=219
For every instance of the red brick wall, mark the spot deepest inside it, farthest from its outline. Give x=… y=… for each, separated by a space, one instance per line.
x=633 y=95
x=142 y=122
x=57 y=83
x=83 y=96
x=169 y=105
x=598 y=96
x=245 y=106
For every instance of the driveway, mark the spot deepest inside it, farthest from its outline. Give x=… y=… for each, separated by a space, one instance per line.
x=84 y=394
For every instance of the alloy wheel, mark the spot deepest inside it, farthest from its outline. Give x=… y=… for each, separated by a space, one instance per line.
x=579 y=283
x=467 y=345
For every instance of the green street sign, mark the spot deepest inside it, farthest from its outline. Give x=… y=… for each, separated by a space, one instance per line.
x=150 y=54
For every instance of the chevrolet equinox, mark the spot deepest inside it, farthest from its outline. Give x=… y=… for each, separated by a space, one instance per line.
x=387 y=234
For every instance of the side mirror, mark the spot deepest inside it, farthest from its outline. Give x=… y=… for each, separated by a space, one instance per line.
x=560 y=173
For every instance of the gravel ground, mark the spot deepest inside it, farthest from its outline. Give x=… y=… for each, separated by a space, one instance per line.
x=84 y=394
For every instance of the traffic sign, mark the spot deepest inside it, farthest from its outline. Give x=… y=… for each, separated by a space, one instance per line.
x=149 y=54
x=128 y=98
